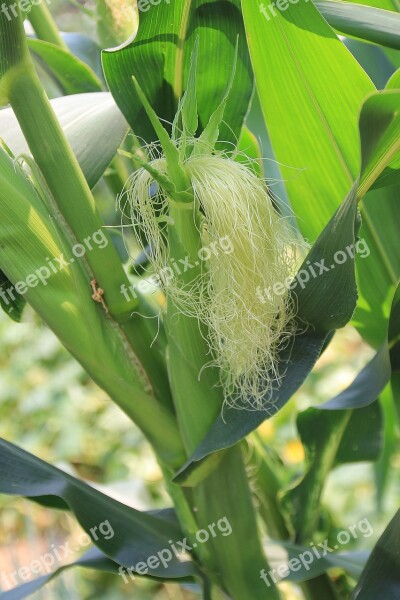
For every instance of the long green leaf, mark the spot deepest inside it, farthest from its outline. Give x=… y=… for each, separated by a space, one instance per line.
x=135 y=535
x=329 y=439
x=93 y=559
x=334 y=433
x=92 y=123
x=380 y=137
x=365 y=22
x=280 y=553
x=380 y=579
x=73 y=75
x=311 y=90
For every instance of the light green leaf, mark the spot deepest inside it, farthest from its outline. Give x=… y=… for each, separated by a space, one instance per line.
x=73 y=75
x=311 y=90
x=92 y=123
x=368 y=23
x=380 y=136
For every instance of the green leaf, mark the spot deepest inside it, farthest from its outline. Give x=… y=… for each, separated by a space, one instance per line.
x=394 y=81
x=175 y=168
x=249 y=148
x=93 y=559
x=190 y=116
x=334 y=433
x=136 y=535
x=379 y=270
x=375 y=376
x=13 y=307
x=385 y=4
x=280 y=553
x=210 y=135
x=92 y=123
x=380 y=579
x=311 y=94
x=364 y=22
x=329 y=439
x=367 y=386
x=325 y=303
x=373 y=60
x=380 y=137
x=363 y=438
x=73 y=75
x=164 y=45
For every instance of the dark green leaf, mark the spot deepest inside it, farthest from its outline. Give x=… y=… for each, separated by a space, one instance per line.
x=13 y=308
x=280 y=553
x=136 y=535
x=329 y=438
x=367 y=386
x=380 y=579
x=334 y=433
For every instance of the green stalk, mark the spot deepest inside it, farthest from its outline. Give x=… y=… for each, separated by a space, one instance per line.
x=268 y=487
x=188 y=350
x=76 y=211
x=322 y=464
x=234 y=562
x=65 y=180
x=44 y=26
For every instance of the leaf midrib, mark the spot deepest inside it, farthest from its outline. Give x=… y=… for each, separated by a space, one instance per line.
x=178 y=71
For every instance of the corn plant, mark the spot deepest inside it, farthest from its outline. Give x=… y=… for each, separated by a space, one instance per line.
x=250 y=288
